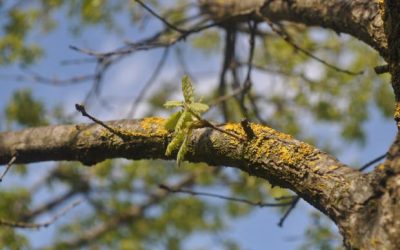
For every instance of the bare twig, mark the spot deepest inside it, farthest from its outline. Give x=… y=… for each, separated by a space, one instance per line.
x=149 y=83
x=168 y=24
x=229 y=51
x=253 y=29
x=129 y=214
x=249 y=202
x=224 y=98
x=293 y=205
x=247 y=129
x=381 y=69
x=10 y=163
x=50 y=81
x=306 y=52
x=82 y=109
x=206 y=123
x=368 y=164
x=49 y=206
x=16 y=224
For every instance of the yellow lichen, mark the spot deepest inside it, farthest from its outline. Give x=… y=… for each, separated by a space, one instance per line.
x=277 y=146
x=397 y=112
x=333 y=167
x=315 y=169
x=154 y=126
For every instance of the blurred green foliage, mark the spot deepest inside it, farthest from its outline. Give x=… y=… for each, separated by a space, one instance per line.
x=25 y=110
x=320 y=235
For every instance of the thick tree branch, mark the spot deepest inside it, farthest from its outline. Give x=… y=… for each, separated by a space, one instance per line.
x=359 y=18
x=317 y=177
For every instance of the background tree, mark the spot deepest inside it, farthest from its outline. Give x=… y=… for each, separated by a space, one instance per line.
x=276 y=71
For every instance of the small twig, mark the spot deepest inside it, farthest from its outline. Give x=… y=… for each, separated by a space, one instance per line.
x=47 y=80
x=9 y=164
x=252 y=203
x=82 y=109
x=368 y=164
x=226 y=97
x=206 y=123
x=160 y=18
x=253 y=29
x=381 y=69
x=286 y=197
x=286 y=38
x=293 y=205
x=149 y=83
x=229 y=52
x=16 y=224
x=247 y=129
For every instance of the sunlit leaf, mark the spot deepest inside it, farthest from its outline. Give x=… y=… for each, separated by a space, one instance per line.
x=183 y=149
x=175 y=143
x=173 y=120
x=187 y=89
x=173 y=104
x=185 y=118
x=199 y=107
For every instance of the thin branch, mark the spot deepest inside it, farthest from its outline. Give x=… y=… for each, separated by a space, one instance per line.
x=253 y=29
x=248 y=82
x=224 y=98
x=82 y=109
x=205 y=123
x=15 y=224
x=286 y=197
x=255 y=109
x=230 y=39
x=306 y=52
x=128 y=215
x=284 y=217
x=170 y=25
x=149 y=83
x=9 y=164
x=50 y=205
x=368 y=164
x=182 y=63
x=50 y=81
x=381 y=69
x=247 y=129
x=249 y=202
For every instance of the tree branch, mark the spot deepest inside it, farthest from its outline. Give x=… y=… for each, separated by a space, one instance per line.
x=359 y=18
x=315 y=176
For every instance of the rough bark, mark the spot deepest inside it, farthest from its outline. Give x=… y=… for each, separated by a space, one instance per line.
x=359 y=18
x=333 y=188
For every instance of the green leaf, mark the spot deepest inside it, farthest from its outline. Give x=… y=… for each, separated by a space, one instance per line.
x=173 y=104
x=176 y=142
x=187 y=89
x=182 y=151
x=173 y=120
x=185 y=118
x=198 y=107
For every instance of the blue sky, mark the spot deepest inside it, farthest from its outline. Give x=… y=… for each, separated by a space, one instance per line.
x=253 y=232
